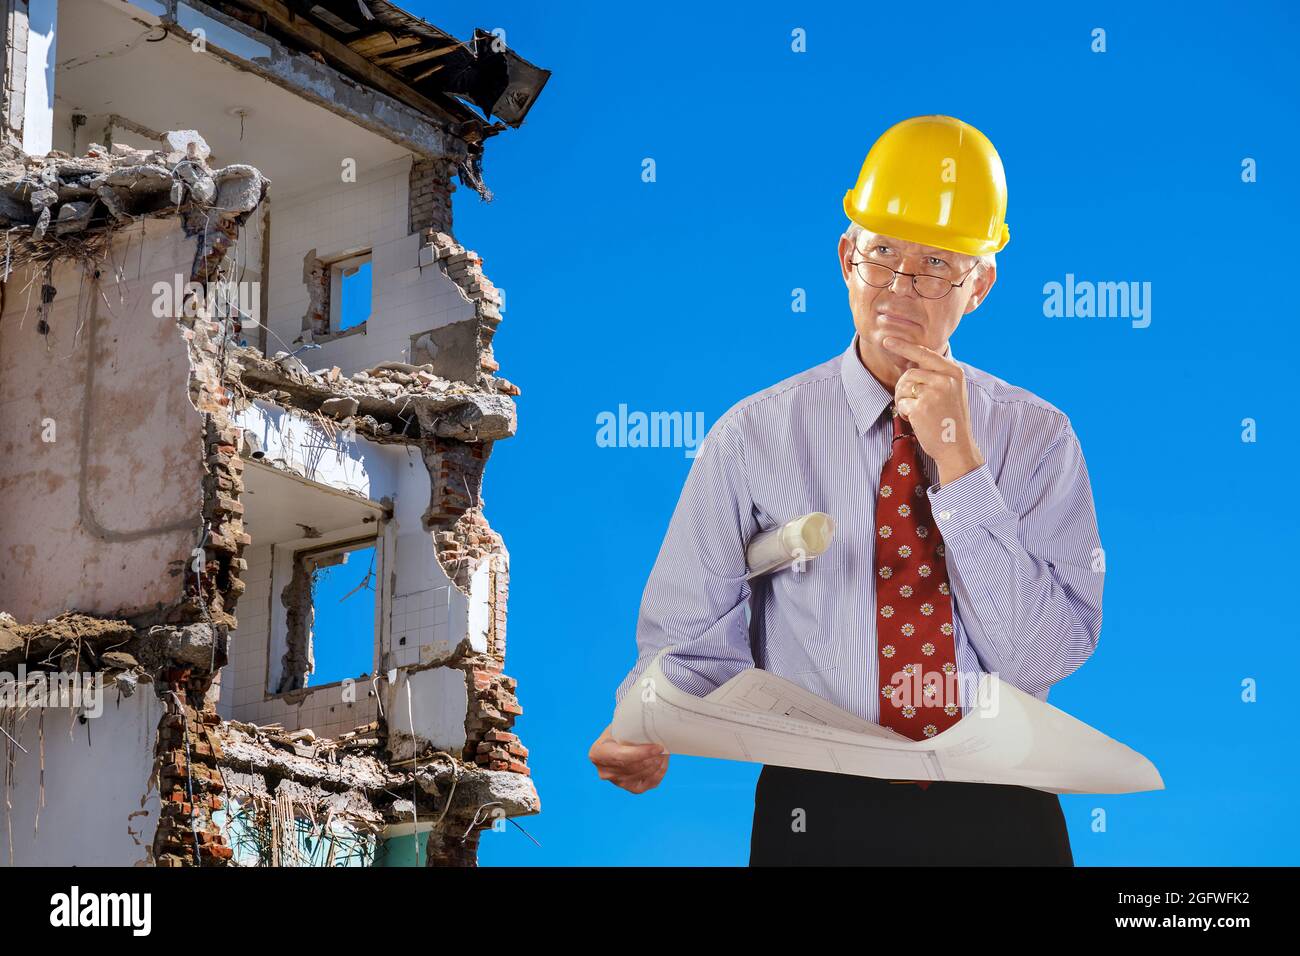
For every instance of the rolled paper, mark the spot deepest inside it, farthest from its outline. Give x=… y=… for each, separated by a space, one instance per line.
x=801 y=538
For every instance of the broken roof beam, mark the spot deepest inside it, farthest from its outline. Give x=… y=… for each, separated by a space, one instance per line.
x=382 y=41
x=423 y=129
x=481 y=71
x=346 y=58
x=401 y=60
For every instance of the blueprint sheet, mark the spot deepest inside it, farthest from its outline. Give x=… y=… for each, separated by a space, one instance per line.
x=1008 y=736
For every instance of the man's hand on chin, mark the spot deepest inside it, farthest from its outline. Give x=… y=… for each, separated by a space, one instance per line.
x=931 y=396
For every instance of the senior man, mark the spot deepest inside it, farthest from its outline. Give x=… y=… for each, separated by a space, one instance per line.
x=966 y=538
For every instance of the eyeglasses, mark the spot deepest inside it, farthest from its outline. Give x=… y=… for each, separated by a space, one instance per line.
x=926 y=286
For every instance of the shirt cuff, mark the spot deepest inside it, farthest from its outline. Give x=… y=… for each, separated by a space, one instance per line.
x=972 y=501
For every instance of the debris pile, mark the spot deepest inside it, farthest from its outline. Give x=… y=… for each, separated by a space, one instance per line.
x=271 y=753
x=61 y=642
x=58 y=195
x=305 y=743
x=386 y=380
x=392 y=398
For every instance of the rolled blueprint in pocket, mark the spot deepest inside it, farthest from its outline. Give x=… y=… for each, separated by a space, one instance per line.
x=801 y=539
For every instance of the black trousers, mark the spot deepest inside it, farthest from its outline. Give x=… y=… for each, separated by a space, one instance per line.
x=811 y=818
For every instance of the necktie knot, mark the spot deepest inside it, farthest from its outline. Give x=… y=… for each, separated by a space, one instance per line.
x=901 y=427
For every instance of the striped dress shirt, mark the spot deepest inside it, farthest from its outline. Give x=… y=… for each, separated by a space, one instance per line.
x=1020 y=536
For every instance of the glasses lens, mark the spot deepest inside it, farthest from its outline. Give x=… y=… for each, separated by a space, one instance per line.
x=875 y=274
x=932 y=287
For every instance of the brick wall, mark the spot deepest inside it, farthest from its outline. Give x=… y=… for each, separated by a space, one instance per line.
x=493 y=701
x=492 y=711
x=464 y=267
x=189 y=783
x=430 y=195
x=455 y=515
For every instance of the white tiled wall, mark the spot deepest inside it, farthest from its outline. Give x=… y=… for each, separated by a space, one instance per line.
x=421 y=625
x=368 y=214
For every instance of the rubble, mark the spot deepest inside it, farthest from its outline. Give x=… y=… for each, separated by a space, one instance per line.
x=51 y=639
x=263 y=749
x=410 y=400
x=263 y=764
x=83 y=642
x=107 y=187
x=194 y=644
x=341 y=408
x=478 y=786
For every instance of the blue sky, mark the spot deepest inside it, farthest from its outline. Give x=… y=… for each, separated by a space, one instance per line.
x=356 y=297
x=675 y=296
x=345 y=594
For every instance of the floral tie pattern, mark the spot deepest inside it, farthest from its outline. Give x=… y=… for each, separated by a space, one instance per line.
x=914 y=627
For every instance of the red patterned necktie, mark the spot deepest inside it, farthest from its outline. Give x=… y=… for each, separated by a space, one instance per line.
x=914 y=624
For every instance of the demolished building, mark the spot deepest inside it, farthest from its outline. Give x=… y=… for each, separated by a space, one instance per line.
x=243 y=359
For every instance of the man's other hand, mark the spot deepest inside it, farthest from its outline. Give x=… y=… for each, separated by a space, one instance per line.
x=634 y=767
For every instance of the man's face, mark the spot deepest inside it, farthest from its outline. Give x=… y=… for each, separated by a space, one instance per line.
x=896 y=309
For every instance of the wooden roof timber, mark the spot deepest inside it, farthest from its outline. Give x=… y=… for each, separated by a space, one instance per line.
x=399 y=61
x=353 y=62
x=382 y=42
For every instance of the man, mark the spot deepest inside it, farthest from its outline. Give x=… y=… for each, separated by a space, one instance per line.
x=965 y=539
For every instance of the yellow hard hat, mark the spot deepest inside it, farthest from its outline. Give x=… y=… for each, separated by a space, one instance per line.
x=936 y=181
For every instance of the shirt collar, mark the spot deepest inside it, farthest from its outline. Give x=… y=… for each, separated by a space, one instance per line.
x=867 y=397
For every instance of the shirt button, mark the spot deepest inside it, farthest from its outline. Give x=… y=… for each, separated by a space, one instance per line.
x=945 y=515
